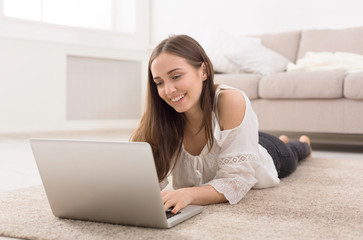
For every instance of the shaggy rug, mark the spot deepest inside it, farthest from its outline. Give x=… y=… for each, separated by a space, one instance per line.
x=323 y=199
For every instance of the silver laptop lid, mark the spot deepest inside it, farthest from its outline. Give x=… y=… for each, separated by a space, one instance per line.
x=114 y=182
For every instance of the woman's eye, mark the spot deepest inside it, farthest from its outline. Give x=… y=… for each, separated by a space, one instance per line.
x=158 y=83
x=175 y=77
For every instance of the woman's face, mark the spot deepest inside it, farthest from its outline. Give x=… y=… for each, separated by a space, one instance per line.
x=178 y=83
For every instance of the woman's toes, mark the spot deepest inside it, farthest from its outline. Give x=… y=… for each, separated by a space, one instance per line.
x=306 y=139
x=284 y=138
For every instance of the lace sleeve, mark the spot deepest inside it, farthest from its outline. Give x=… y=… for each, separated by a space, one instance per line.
x=235 y=177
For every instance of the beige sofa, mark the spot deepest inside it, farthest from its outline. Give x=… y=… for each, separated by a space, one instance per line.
x=306 y=101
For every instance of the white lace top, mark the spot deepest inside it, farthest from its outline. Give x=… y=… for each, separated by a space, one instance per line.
x=235 y=164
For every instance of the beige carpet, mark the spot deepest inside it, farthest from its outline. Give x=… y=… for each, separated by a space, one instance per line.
x=323 y=199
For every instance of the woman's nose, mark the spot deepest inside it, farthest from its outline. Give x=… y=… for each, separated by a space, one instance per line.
x=169 y=88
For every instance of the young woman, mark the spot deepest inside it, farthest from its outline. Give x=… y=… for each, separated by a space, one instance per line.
x=205 y=135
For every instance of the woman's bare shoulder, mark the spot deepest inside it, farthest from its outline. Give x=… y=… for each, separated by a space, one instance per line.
x=231 y=108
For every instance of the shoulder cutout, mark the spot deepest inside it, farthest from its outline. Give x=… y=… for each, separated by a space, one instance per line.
x=231 y=108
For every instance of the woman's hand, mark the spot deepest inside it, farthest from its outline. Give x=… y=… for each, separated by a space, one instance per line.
x=183 y=197
x=178 y=199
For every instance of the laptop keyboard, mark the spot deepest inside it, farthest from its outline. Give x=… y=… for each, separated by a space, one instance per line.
x=169 y=214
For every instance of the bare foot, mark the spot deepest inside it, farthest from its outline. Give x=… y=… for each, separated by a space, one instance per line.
x=284 y=138
x=306 y=139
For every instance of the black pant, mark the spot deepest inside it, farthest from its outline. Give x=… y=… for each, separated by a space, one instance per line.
x=285 y=155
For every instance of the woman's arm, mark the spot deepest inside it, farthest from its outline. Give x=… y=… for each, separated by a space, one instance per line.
x=183 y=197
x=231 y=109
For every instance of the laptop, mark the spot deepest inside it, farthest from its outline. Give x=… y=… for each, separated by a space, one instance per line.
x=111 y=182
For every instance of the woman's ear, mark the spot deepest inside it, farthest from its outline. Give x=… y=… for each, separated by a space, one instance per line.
x=204 y=71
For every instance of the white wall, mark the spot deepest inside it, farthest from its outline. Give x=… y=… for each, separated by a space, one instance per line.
x=33 y=60
x=197 y=18
x=33 y=85
x=33 y=30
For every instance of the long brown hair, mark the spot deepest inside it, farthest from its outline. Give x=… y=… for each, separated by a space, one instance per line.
x=161 y=126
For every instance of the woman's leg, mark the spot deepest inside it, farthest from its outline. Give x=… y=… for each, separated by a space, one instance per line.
x=285 y=155
x=302 y=148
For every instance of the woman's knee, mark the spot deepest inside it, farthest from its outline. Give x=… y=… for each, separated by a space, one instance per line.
x=289 y=166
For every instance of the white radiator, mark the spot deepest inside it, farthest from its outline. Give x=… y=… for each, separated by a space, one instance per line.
x=103 y=88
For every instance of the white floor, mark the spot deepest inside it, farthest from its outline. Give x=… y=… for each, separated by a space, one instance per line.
x=18 y=168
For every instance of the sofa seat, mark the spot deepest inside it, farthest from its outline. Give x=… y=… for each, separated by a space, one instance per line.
x=295 y=85
x=310 y=115
x=248 y=83
x=302 y=85
x=353 y=85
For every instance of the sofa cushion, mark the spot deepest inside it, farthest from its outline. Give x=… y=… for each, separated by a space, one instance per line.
x=220 y=43
x=286 y=43
x=258 y=59
x=248 y=83
x=331 y=40
x=353 y=86
x=302 y=85
x=328 y=61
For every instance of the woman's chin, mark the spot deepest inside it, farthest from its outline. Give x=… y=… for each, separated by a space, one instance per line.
x=179 y=110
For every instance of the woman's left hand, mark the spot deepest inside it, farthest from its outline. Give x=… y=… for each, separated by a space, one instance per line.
x=178 y=199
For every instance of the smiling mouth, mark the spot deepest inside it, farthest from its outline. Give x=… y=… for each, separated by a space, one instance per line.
x=174 y=100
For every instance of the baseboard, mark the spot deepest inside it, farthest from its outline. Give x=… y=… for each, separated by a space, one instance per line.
x=72 y=126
